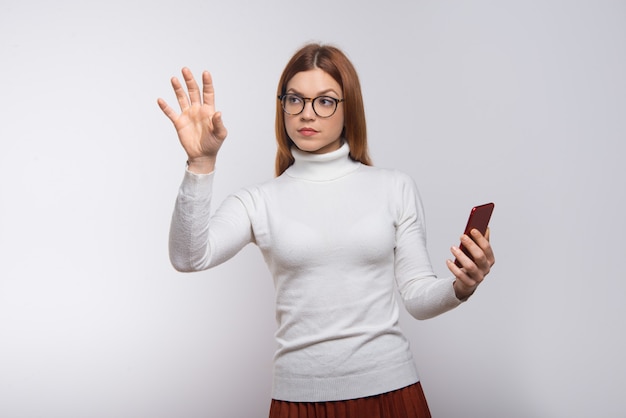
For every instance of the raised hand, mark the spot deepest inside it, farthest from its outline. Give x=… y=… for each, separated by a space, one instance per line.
x=200 y=128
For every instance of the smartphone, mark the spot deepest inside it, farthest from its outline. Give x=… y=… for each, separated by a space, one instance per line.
x=478 y=219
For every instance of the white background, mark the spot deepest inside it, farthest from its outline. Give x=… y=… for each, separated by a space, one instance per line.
x=521 y=103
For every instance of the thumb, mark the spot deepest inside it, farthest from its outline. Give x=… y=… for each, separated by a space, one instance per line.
x=218 y=125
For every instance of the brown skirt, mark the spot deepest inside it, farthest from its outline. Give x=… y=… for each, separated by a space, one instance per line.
x=408 y=402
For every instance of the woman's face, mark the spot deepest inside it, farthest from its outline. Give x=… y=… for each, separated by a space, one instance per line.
x=307 y=130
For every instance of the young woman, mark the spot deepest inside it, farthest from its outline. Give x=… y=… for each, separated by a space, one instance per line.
x=337 y=234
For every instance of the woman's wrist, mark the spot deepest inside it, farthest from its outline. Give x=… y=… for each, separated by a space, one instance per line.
x=462 y=292
x=202 y=165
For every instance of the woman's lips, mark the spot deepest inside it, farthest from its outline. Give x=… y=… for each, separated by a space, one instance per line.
x=307 y=131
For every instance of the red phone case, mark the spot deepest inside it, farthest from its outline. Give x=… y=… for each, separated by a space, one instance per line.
x=478 y=219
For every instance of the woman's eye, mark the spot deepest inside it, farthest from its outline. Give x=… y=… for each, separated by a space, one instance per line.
x=294 y=99
x=326 y=101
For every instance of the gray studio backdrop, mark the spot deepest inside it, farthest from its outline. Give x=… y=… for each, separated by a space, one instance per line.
x=521 y=103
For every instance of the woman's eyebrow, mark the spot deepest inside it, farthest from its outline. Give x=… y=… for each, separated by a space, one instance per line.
x=321 y=93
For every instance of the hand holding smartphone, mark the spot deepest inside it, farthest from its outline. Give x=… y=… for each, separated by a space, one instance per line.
x=478 y=219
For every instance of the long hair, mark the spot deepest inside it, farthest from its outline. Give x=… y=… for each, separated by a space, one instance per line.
x=335 y=63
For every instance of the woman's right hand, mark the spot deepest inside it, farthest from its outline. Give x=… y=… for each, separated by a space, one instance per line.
x=200 y=128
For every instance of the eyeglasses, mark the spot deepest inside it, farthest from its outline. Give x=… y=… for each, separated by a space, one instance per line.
x=323 y=106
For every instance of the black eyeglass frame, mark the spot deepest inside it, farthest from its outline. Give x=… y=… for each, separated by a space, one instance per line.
x=312 y=100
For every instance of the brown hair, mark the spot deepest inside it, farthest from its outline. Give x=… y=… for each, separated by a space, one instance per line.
x=335 y=63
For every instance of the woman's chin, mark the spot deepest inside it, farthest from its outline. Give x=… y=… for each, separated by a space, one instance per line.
x=317 y=148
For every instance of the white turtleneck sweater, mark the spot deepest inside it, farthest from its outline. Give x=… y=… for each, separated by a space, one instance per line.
x=337 y=236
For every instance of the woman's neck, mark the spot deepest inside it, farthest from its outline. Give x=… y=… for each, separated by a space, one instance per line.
x=322 y=167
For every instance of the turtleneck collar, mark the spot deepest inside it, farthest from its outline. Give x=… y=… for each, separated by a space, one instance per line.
x=322 y=167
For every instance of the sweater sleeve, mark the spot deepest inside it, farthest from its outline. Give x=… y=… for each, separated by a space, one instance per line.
x=199 y=241
x=424 y=295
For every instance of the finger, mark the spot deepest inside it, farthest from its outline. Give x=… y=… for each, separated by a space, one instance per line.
x=218 y=126
x=208 y=91
x=463 y=287
x=461 y=275
x=474 y=266
x=181 y=96
x=169 y=112
x=465 y=263
x=454 y=268
x=477 y=255
x=192 y=86
x=484 y=244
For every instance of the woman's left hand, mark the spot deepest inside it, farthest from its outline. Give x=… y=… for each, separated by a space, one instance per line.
x=473 y=270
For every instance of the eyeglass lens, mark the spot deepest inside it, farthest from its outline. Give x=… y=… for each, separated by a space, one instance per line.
x=323 y=106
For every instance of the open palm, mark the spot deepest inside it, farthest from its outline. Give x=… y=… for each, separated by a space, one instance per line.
x=200 y=128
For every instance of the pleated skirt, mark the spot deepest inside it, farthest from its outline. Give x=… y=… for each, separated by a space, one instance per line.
x=408 y=402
